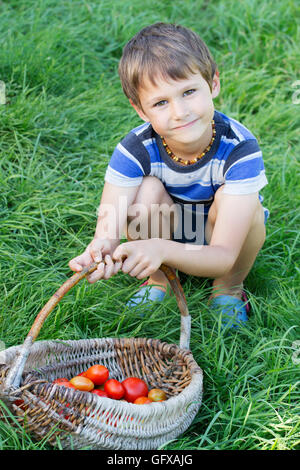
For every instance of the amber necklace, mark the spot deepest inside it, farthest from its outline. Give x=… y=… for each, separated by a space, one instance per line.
x=196 y=159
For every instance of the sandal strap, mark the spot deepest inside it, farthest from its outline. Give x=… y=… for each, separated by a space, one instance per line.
x=231 y=309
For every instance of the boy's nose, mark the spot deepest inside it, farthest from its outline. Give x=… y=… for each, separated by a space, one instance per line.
x=179 y=110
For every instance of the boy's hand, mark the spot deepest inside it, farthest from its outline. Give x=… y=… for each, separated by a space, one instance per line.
x=140 y=258
x=99 y=250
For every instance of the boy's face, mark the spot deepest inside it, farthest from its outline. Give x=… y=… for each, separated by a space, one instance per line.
x=179 y=110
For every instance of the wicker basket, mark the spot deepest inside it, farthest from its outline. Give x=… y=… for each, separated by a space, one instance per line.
x=83 y=420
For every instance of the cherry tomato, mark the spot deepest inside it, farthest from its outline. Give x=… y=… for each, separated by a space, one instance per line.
x=82 y=374
x=114 y=389
x=60 y=380
x=82 y=383
x=100 y=393
x=134 y=388
x=97 y=374
x=65 y=383
x=142 y=401
x=21 y=404
x=156 y=394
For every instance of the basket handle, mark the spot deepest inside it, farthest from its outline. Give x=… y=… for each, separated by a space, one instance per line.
x=14 y=375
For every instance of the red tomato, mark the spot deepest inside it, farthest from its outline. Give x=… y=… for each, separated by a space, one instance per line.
x=100 y=393
x=60 y=380
x=21 y=404
x=134 y=388
x=82 y=374
x=18 y=402
x=114 y=389
x=142 y=401
x=66 y=383
x=156 y=394
x=82 y=383
x=97 y=374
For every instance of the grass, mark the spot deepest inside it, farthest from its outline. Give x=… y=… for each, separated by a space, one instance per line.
x=65 y=112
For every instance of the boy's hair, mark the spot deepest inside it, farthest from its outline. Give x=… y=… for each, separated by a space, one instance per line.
x=163 y=50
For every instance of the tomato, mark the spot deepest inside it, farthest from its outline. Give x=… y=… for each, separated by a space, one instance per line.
x=156 y=394
x=60 y=380
x=134 y=388
x=142 y=401
x=66 y=383
x=114 y=389
x=21 y=404
x=100 y=393
x=82 y=383
x=97 y=374
x=82 y=374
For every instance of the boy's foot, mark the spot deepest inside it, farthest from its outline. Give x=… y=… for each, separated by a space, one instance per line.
x=233 y=310
x=153 y=290
x=147 y=294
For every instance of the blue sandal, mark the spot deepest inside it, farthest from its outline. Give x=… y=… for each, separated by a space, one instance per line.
x=233 y=311
x=146 y=295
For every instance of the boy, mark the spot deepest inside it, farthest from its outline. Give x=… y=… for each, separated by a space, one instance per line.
x=186 y=156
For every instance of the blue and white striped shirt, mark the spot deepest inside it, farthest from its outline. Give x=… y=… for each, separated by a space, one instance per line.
x=234 y=160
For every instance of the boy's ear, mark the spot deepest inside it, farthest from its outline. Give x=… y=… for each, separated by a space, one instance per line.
x=215 y=89
x=139 y=111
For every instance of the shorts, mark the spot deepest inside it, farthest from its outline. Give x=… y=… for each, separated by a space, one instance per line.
x=192 y=219
x=191 y=222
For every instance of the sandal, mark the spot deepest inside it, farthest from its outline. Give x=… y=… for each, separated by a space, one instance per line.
x=233 y=311
x=146 y=295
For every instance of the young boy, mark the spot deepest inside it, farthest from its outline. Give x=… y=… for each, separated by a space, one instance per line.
x=185 y=183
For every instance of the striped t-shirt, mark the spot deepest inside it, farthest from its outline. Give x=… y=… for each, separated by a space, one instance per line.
x=234 y=160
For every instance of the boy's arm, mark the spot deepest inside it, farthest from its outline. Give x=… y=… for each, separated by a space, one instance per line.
x=112 y=217
x=235 y=216
x=234 y=219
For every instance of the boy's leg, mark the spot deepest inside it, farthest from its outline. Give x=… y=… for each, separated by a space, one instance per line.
x=152 y=209
x=232 y=282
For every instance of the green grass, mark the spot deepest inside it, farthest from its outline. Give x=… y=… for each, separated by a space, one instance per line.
x=64 y=115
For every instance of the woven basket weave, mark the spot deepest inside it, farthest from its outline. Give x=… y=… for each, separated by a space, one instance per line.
x=84 y=420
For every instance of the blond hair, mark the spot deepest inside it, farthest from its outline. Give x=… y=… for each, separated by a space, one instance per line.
x=163 y=50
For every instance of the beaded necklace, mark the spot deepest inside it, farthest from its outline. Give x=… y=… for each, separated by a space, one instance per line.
x=196 y=159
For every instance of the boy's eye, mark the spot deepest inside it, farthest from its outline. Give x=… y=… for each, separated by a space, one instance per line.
x=189 y=92
x=160 y=103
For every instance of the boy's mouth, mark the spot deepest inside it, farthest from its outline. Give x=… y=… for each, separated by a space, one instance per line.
x=188 y=124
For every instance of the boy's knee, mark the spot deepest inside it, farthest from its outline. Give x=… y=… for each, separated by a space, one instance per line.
x=150 y=190
x=153 y=208
x=149 y=193
x=258 y=218
x=212 y=213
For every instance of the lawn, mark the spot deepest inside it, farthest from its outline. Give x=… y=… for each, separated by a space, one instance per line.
x=64 y=114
